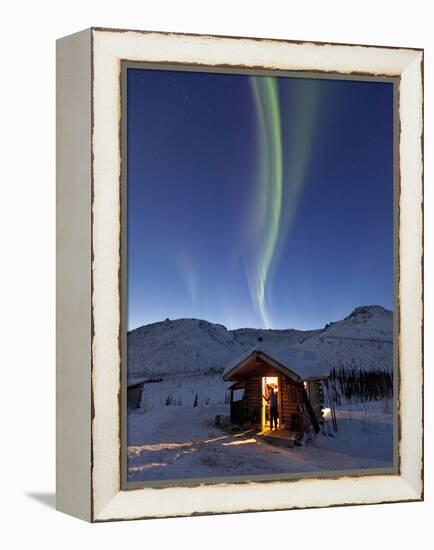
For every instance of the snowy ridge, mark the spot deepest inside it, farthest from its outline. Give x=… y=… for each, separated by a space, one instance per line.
x=192 y=346
x=363 y=340
x=249 y=337
x=181 y=346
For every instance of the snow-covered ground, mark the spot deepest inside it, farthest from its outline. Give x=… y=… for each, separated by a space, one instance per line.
x=182 y=390
x=181 y=442
x=181 y=362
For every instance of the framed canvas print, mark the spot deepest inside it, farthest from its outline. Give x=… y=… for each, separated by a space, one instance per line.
x=239 y=274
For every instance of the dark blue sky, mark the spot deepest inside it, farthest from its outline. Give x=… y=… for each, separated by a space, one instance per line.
x=257 y=201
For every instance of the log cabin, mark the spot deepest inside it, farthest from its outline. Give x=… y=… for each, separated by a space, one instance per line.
x=296 y=377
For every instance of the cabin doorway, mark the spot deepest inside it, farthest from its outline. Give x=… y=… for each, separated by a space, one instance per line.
x=268 y=383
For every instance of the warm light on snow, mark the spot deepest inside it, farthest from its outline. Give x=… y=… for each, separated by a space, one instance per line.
x=200 y=449
x=241 y=442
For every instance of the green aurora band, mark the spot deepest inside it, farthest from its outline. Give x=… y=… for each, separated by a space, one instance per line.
x=275 y=204
x=269 y=205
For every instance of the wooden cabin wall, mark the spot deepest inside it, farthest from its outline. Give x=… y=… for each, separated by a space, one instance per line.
x=253 y=397
x=291 y=399
x=316 y=397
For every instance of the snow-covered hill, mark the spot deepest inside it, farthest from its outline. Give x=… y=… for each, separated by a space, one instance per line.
x=363 y=340
x=192 y=346
x=249 y=337
x=181 y=346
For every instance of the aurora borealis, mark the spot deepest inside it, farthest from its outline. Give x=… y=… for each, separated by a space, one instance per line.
x=266 y=220
x=268 y=224
x=257 y=201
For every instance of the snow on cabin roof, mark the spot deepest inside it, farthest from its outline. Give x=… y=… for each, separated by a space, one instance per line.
x=135 y=382
x=302 y=363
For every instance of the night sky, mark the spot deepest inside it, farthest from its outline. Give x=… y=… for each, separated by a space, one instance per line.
x=257 y=201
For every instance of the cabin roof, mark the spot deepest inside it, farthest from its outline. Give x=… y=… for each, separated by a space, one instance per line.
x=134 y=382
x=294 y=363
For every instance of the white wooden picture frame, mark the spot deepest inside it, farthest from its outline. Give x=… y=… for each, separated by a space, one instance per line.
x=89 y=273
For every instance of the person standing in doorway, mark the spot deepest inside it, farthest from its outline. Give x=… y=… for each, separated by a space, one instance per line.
x=274 y=405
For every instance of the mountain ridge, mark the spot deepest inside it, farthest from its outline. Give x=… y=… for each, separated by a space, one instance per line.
x=362 y=339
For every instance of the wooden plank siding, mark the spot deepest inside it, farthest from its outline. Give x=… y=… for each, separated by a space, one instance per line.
x=253 y=397
x=291 y=400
